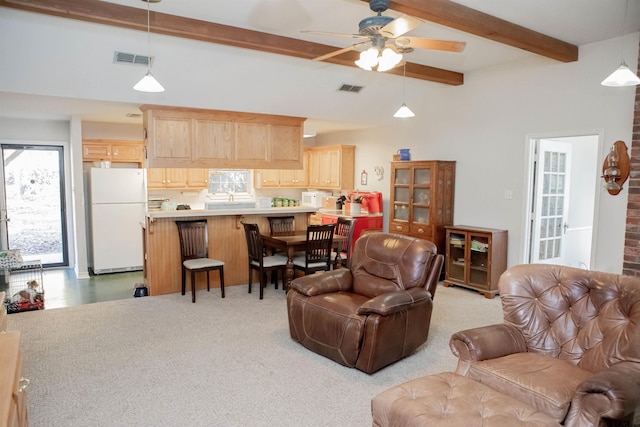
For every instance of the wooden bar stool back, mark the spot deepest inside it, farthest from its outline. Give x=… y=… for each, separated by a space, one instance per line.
x=194 y=250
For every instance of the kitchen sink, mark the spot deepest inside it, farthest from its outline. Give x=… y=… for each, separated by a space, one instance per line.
x=230 y=205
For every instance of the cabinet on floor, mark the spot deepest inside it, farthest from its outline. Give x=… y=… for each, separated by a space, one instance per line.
x=476 y=257
x=13 y=397
x=422 y=195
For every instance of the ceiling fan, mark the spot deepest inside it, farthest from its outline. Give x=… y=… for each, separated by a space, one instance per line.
x=386 y=37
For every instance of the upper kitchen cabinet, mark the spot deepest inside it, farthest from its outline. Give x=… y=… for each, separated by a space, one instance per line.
x=332 y=167
x=196 y=138
x=112 y=150
x=285 y=178
x=158 y=178
x=422 y=195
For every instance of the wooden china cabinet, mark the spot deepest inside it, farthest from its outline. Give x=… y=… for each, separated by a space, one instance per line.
x=422 y=194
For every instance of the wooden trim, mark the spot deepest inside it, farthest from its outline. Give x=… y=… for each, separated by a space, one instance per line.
x=459 y=17
x=106 y=13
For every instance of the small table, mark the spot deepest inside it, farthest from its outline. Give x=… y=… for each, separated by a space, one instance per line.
x=290 y=242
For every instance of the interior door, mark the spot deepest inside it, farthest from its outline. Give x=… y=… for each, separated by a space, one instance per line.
x=551 y=201
x=33 y=212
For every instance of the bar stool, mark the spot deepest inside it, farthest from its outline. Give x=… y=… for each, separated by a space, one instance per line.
x=194 y=251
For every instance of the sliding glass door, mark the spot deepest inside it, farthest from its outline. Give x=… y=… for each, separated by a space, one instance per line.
x=32 y=209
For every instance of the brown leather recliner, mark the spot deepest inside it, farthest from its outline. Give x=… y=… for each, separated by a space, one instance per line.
x=374 y=313
x=569 y=345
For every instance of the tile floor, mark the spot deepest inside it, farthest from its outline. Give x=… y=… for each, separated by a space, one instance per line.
x=62 y=289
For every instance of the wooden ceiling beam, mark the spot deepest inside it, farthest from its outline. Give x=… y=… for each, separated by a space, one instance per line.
x=103 y=12
x=459 y=17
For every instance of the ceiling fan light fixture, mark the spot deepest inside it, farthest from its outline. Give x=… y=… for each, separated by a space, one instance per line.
x=388 y=59
x=368 y=59
x=404 y=112
x=622 y=76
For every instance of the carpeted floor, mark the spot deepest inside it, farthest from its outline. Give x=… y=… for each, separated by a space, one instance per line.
x=163 y=361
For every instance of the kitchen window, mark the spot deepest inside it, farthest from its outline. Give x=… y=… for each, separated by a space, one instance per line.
x=230 y=183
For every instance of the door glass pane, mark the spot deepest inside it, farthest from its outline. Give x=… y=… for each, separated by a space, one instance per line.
x=421 y=215
x=422 y=177
x=421 y=196
x=400 y=212
x=34 y=204
x=401 y=194
x=402 y=177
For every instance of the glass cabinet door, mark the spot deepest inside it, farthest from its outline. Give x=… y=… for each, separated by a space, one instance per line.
x=479 y=259
x=456 y=247
x=401 y=195
x=421 y=195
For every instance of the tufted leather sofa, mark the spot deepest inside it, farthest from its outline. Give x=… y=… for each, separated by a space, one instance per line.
x=374 y=313
x=569 y=346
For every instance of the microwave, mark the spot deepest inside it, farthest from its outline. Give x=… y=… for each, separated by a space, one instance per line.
x=313 y=199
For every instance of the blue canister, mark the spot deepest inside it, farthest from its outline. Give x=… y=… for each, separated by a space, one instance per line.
x=404 y=154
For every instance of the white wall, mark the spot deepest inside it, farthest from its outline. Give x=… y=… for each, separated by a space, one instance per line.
x=484 y=124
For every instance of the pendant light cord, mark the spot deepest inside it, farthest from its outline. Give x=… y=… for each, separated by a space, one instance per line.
x=624 y=30
x=148 y=35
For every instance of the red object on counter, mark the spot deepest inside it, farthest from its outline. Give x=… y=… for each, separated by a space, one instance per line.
x=363 y=224
x=371 y=200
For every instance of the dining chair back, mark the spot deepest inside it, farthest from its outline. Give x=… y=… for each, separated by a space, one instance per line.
x=260 y=262
x=194 y=253
x=281 y=224
x=317 y=256
x=344 y=227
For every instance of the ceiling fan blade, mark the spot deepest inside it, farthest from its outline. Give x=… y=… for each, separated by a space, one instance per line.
x=339 y=52
x=422 y=43
x=324 y=33
x=400 y=26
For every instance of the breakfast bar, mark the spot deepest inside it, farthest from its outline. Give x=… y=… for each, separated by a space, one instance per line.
x=226 y=242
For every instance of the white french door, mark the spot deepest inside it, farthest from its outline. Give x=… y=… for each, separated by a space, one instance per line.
x=551 y=202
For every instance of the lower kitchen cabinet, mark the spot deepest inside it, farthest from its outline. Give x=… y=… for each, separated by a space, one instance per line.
x=475 y=258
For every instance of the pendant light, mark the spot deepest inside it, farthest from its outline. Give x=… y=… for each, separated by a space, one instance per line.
x=148 y=83
x=404 y=111
x=622 y=76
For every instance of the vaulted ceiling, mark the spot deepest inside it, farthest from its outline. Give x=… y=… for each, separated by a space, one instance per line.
x=495 y=32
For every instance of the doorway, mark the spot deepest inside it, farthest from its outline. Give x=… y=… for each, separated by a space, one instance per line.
x=562 y=193
x=32 y=207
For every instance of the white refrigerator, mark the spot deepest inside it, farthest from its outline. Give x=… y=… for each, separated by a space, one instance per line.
x=118 y=204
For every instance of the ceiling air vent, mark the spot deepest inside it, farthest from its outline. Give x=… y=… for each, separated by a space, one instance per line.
x=134 y=115
x=130 y=58
x=350 y=88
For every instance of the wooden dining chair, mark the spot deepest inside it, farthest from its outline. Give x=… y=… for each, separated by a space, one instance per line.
x=317 y=256
x=260 y=262
x=194 y=252
x=344 y=227
x=281 y=224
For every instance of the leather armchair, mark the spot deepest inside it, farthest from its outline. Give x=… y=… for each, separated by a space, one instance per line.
x=374 y=313
x=569 y=345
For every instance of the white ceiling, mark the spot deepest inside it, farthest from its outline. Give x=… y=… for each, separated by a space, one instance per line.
x=577 y=22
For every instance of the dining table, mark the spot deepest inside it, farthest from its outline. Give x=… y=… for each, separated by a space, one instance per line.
x=290 y=242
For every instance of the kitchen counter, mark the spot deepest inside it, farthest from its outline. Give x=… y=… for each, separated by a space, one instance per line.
x=335 y=212
x=227 y=242
x=225 y=212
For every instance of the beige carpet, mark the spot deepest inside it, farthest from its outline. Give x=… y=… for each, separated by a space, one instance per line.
x=163 y=361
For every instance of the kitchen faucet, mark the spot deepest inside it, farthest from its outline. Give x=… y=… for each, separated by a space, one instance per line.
x=231 y=196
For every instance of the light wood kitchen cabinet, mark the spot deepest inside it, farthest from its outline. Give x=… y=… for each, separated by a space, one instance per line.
x=476 y=257
x=285 y=178
x=332 y=167
x=163 y=178
x=196 y=138
x=112 y=150
x=421 y=199
x=198 y=178
x=13 y=398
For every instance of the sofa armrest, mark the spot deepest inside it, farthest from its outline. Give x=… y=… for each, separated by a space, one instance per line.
x=393 y=302
x=324 y=282
x=612 y=393
x=483 y=343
